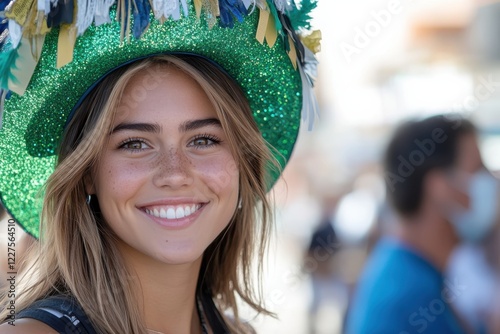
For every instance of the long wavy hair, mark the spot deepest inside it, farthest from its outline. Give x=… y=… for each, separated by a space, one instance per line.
x=77 y=253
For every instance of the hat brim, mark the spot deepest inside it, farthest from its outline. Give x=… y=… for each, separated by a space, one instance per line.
x=33 y=123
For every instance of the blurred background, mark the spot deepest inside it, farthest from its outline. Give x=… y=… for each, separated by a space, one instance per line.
x=382 y=62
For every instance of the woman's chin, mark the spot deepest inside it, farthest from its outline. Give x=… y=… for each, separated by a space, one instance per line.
x=179 y=256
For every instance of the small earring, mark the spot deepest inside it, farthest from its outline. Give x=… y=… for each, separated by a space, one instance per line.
x=89 y=198
x=239 y=204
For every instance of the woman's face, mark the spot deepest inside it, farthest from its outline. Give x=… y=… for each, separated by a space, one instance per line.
x=167 y=183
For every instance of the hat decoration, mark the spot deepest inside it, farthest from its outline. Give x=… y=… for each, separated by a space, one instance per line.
x=24 y=24
x=53 y=52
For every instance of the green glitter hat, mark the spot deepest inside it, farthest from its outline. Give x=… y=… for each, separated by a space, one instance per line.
x=53 y=52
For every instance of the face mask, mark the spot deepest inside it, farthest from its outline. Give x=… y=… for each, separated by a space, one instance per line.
x=474 y=223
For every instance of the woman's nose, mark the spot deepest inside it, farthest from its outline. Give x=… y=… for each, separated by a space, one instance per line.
x=173 y=169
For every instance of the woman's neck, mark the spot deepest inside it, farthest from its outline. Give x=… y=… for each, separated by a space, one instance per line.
x=166 y=293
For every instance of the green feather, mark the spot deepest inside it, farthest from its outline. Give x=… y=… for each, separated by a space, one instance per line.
x=17 y=67
x=274 y=13
x=301 y=17
x=7 y=60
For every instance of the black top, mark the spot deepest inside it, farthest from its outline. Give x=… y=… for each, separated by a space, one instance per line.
x=65 y=315
x=62 y=313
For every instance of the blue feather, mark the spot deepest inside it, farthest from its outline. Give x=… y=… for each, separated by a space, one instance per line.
x=141 y=17
x=229 y=9
x=60 y=12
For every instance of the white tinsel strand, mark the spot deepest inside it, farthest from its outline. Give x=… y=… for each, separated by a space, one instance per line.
x=43 y=6
x=46 y=5
x=102 y=12
x=158 y=8
x=280 y=5
x=308 y=73
x=262 y=4
x=3 y=36
x=249 y=3
x=3 y=95
x=85 y=14
x=15 y=33
x=172 y=9
x=185 y=8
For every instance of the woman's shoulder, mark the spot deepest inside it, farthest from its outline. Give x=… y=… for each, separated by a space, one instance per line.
x=53 y=314
x=23 y=326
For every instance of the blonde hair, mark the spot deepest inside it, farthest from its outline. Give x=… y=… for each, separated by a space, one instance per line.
x=77 y=254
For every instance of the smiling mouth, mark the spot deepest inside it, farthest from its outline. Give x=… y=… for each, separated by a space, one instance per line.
x=173 y=211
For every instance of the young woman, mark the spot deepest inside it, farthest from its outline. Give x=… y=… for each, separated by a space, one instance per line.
x=158 y=198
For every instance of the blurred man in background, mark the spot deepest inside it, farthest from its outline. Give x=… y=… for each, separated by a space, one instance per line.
x=435 y=182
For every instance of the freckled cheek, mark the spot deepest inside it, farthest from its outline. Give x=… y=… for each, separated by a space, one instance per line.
x=121 y=178
x=218 y=173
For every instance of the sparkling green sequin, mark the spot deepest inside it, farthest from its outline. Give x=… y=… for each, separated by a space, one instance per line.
x=33 y=123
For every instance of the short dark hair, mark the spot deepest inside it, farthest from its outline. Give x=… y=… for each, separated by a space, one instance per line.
x=415 y=149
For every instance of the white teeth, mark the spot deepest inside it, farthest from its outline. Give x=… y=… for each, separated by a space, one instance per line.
x=176 y=212
x=170 y=213
x=179 y=213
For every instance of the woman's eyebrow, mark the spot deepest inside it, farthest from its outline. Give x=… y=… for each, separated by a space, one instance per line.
x=156 y=128
x=199 y=123
x=144 y=127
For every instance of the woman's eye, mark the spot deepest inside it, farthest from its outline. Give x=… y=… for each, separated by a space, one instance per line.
x=204 y=141
x=134 y=145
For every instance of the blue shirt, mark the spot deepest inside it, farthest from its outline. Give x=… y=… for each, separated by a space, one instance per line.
x=400 y=292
